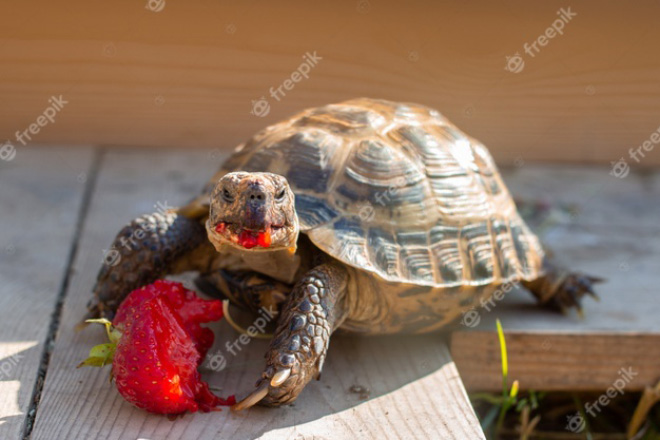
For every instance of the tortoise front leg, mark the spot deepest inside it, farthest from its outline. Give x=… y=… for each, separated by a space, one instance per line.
x=147 y=248
x=314 y=309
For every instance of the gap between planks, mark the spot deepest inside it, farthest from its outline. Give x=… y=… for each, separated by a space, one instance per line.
x=41 y=190
x=90 y=185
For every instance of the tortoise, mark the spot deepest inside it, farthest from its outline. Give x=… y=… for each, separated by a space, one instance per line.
x=368 y=215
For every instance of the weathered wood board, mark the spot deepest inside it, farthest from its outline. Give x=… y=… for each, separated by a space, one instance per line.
x=187 y=74
x=616 y=235
x=414 y=388
x=41 y=192
x=606 y=226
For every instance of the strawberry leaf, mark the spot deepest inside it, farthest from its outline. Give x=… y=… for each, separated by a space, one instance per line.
x=99 y=355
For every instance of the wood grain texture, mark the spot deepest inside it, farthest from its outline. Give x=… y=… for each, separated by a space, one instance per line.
x=414 y=388
x=41 y=191
x=613 y=234
x=187 y=76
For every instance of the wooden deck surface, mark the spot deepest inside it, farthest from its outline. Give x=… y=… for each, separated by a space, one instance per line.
x=61 y=208
x=602 y=225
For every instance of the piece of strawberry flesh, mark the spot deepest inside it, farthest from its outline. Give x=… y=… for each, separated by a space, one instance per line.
x=263 y=238
x=220 y=227
x=249 y=239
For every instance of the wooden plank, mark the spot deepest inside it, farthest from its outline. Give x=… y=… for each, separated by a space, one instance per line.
x=616 y=236
x=188 y=75
x=41 y=191
x=414 y=388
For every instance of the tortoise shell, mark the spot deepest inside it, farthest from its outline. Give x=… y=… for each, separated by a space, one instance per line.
x=397 y=190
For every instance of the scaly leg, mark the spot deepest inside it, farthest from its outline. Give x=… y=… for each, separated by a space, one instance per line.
x=146 y=249
x=561 y=289
x=314 y=309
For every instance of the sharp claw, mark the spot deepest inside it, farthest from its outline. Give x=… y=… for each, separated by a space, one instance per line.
x=252 y=399
x=279 y=377
x=589 y=291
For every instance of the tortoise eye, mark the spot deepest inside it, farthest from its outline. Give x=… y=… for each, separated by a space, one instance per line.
x=227 y=195
x=280 y=195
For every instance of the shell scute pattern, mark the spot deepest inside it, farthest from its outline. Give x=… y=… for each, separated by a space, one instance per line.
x=397 y=190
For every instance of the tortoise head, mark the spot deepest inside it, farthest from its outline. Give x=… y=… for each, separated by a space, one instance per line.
x=253 y=211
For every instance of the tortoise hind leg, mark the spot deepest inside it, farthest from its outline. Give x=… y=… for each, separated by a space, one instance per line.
x=149 y=247
x=561 y=289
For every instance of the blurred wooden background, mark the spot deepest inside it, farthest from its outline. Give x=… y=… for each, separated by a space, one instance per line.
x=186 y=74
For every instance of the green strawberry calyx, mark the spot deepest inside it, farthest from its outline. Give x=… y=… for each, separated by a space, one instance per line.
x=102 y=354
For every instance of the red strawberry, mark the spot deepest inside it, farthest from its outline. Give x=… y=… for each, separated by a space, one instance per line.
x=159 y=345
x=192 y=309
